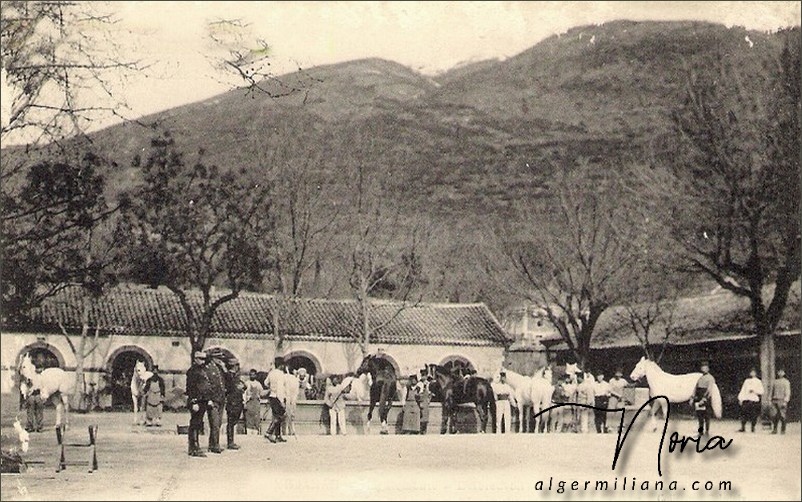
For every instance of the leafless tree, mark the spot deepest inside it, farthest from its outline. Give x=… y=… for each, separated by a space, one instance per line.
x=244 y=59
x=574 y=254
x=732 y=188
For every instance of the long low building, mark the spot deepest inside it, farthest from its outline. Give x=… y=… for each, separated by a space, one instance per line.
x=133 y=323
x=715 y=327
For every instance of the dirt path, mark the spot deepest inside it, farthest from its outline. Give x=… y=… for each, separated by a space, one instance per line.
x=154 y=466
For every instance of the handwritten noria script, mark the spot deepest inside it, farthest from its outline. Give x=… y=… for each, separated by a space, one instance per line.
x=674 y=440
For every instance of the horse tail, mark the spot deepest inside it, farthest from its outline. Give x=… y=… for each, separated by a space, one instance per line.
x=715 y=400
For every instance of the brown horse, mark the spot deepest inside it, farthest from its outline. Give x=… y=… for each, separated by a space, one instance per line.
x=384 y=388
x=455 y=391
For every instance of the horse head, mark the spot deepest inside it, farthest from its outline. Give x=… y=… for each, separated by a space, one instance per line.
x=26 y=366
x=140 y=368
x=640 y=370
x=572 y=369
x=366 y=366
x=546 y=374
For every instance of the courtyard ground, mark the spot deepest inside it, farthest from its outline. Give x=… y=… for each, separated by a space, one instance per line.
x=139 y=463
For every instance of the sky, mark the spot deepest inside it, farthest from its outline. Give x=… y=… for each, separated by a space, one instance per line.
x=429 y=37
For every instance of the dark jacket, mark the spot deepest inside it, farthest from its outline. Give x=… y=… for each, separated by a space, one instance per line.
x=235 y=387
x=199 y=389
x=216 y=382
x=158 y=381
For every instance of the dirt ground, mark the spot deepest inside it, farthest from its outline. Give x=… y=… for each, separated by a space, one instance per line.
x=138 y=463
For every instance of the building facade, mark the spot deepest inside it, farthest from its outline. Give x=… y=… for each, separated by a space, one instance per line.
x=136 y=323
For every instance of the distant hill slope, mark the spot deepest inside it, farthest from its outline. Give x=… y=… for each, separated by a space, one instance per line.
x=467 y=144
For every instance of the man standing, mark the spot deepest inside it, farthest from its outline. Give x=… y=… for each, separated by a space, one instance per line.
x=780 y=396
x=602 y=393
x=199 y=401
x=335 y=397
x=252 y=401
x=701 y=398
x=34 y=407
x=235 y=402
x=749 y=397
x=216 y=374
x=154 y=399
x=276 y=390
x=505 y=400
x=425 y=400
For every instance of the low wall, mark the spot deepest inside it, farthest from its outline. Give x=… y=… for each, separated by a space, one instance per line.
x=312 y=417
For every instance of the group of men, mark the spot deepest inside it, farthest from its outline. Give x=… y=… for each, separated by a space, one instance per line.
x=212 y=387
x=750 y=395
x=599 y=393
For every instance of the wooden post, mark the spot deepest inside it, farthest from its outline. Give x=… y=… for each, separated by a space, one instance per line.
x=92 y=448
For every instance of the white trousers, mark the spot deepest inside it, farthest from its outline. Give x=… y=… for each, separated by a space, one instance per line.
x=503 y=414
x=336 y=417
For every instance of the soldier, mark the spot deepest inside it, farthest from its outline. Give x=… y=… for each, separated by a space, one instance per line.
x=199 y=393
x=701 y=398
x=235 y=402
x=276 y=390
x=215 y=373
x=780 y=396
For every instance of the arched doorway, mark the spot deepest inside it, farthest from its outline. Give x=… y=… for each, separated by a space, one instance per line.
x=458 y=364
x=43 y=356
x=302 y=359
x=122 y=370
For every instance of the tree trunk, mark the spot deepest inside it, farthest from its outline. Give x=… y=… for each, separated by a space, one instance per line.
x=768 y=362
x=365 y=344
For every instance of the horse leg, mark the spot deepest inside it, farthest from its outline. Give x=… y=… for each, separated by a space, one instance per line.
x=65 y=400
x=480 y=410
x=384 y=407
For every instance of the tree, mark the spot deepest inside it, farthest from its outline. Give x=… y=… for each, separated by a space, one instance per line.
x=45 y=223
x=650 y=311
x=304 y=224
x=195 y=227
x=575 y=254
x=384 y=251
x=733 y=187
x=52 y=53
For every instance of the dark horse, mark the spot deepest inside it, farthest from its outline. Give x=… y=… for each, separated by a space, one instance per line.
x=455 y=391
x=383 y=389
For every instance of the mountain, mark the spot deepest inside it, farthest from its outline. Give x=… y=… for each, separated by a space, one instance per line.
x=465 y=145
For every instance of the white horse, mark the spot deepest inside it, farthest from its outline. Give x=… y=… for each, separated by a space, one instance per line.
x=51 y=382
x=138 y=379
x=522 y=385
x=541 y=392
x=677 y=388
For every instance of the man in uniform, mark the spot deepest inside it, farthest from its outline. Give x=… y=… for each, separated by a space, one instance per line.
x=617 y=386
x=701 y=398
x=199 y=399
x=235 y=402
x=276 y=389
x=34 y=406
x=505 y=399
x=780 y=396
x=217 y=384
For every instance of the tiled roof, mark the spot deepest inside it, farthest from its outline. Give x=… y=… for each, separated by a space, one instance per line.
x=718 y=316
x=143 y=311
